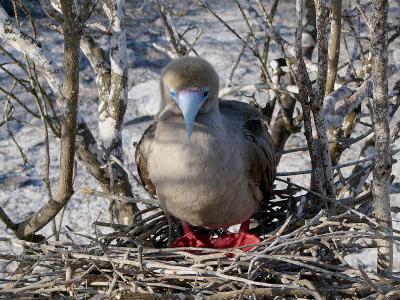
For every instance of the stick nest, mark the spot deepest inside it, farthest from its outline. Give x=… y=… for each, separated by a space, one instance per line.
x=304 y=256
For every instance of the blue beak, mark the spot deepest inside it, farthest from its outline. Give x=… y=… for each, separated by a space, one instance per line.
x=190 y=102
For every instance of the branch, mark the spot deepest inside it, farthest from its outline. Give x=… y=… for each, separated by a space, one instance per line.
x=334 y=44
x=284 y=124
x=270 y=17
x=317 y=102
x=172 y=36
x=287 y=49
x=341 y=102
x=112 y=109
x=50 y=11
x=306 y=92
x=38 y=220
x=117 y=198
x=86 y=10
x=34 y=51
x=86 y=145
x=7 y=221
x=382 y=166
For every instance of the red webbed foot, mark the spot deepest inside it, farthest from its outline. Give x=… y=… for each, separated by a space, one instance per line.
x=236 y=240
x=192 y=238
x=203 y=239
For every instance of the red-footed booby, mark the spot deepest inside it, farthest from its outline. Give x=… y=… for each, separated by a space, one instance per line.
x=211 y=162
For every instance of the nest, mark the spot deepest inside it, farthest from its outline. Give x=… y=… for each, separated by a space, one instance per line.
x=304 y=256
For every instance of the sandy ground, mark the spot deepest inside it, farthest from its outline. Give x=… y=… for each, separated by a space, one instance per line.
x=21 y=188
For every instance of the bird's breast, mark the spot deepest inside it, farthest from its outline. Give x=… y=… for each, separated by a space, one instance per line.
x=176 y=162
x=201 y=182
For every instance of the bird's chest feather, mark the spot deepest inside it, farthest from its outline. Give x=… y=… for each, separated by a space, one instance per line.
x=200 y=164
x=201 y=182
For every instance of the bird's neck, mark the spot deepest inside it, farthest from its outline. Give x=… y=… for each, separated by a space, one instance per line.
x=211 y=119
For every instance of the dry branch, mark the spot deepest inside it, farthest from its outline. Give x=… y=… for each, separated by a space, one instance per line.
x=334 y=44
x=72 y=30
x=307 y=93
x=382 y=166
x=317 y=102
x=86 y=145
x=112 y=109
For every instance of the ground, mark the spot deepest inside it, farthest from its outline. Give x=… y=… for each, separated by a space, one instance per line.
x=21 y=188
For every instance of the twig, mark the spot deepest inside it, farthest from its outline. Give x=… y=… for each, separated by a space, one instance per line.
x=116 y=197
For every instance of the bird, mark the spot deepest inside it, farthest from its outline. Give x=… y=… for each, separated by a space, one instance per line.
x=210 y=162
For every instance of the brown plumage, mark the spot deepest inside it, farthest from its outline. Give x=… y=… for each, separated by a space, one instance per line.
x=218 y=177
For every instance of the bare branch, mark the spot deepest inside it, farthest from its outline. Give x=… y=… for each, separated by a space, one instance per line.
x=7 y=220
x=306 y=92
x=49 y=9
x=172 y=36
x=27 y=228
x=317 y=102
x=334 y=44
x=112 y=109
x=86 y=10
x=32 y=49
x=270 y=17
x=382 y=166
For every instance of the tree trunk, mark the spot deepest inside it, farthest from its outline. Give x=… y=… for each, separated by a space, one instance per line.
x=72 y=31
x=382 y=165
x=309 y=34
x=112 y=109
x=334 y=44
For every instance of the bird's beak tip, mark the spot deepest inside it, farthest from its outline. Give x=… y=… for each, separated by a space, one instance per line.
x=188 y=133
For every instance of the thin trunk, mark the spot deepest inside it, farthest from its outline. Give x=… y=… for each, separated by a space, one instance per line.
x=112 y=110
x=334 y=52
x=267 y=40
x=382 y=165
x=284 y=124
x=72 y=31
x=309 y=34
x=86 y=145
x=334 y=44
x=305 y=93
x=317 y=102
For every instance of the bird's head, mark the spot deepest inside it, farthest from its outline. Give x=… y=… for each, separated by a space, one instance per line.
x=191 y=84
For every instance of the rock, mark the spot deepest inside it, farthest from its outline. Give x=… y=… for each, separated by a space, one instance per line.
x=12 y=181
x=144 y=99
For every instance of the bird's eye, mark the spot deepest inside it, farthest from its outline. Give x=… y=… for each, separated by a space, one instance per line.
x=172 y=93
x=205 y=94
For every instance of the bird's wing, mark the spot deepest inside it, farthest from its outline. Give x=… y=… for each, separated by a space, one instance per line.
x=141 y=156
x=260 y=148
